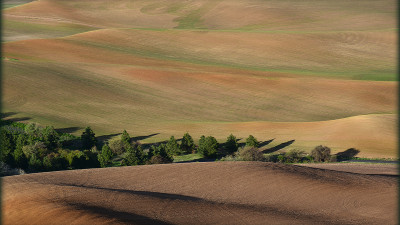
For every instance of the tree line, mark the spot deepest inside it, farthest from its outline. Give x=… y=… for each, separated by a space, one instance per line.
x=34 y=149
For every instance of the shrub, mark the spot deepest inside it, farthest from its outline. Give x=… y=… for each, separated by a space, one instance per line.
x=118 y=146
x=187 y=145
x=231 y=144
x=208 y=147
x=160 y=154
x=251 y=141
x=250 y=154
x=158 y=159
x=321 y=154
x=294 y=156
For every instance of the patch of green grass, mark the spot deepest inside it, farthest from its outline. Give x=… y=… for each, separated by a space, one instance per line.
x=187 y=158
x=193 y=19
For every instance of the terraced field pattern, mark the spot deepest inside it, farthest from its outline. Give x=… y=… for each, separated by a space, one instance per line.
x=317 y=72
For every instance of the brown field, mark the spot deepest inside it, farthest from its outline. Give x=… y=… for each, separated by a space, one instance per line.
x=205 y=193
x=315 y=72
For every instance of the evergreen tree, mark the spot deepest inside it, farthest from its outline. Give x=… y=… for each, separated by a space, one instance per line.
x=105 y=156
x=208 y=147
x=172 y=146
x=252 y=141
x=126 y=139
x=21 y=161
x=187 y=145
x=231 y=144
x=88 y=139
x=7 y=146
x=50 y=137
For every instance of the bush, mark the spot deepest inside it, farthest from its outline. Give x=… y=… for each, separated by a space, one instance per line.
x=159 y=154
x=158 y=159
x=208 y=146
x=251 y=141
x=231 y=144
x=321 y=154
x=118 y=146
x=250 y=154
x=294 y=156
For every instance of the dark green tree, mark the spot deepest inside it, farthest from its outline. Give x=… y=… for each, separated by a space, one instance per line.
x=231 y=144
x=126 y=139
x=134 y=156
x=88 y=139
x=50 y=138
x=187 y=145
x=7 y=147
x=208 y=147
x=21 y=161
x=251 y=141
x=105 y=156
x=172 y=146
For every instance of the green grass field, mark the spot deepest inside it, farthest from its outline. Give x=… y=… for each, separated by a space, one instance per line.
x=318 y=72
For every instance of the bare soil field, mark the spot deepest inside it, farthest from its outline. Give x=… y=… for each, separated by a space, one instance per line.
x=361 y=168
x=201 y=193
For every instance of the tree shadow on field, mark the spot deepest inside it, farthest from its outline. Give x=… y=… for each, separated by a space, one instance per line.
x=7 y=114
x=264 y=143
x=278 y=147
x=19 y=119
x=139 y=138
x=104 y=138
x=68 y=130
x=346 y=155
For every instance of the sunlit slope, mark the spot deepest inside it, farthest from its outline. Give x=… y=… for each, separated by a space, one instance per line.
x=218 y=14
x=362 y=55
x=200 y=193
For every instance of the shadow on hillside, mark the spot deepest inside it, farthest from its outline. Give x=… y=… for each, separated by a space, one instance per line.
x=139 y=138
x=68 y=129
x=104 y=138
x=7 y=114
x=124 y=217
x=278 y=147
x=19 y=119
x=264 y=143
x=346 y=155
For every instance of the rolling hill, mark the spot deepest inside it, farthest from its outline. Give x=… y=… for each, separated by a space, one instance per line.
x=318 y=72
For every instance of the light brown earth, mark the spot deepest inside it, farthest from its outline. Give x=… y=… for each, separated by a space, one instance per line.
x=201 y=193
x=317 y=72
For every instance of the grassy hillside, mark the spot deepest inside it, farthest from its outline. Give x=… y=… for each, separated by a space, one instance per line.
x=277 y=69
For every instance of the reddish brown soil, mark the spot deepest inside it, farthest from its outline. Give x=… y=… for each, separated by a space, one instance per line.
x=200 y=193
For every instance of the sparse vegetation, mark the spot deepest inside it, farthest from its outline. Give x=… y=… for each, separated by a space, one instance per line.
x=321 y=154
